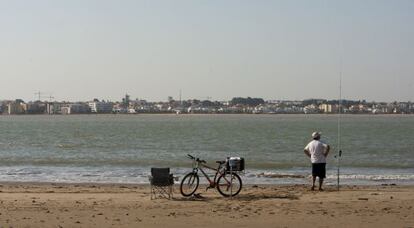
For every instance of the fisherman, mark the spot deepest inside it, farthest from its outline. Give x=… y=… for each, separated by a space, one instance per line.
x=317 y=151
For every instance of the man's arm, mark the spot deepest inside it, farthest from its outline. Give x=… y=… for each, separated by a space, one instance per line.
x=328 y=148
x=307 y=152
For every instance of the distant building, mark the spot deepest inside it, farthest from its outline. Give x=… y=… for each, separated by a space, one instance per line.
x=15 y=108
x=310 y=109
x=76 y=108
x=65 y=110
x=411 y=107
x=54 y=108
x=328 y=108
x=80 y=108
x=35 y=108
x=101 y=107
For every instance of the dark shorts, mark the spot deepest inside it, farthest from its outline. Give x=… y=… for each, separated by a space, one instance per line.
x=319 y=170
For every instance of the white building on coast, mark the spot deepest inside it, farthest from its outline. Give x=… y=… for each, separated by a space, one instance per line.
x=100 y=107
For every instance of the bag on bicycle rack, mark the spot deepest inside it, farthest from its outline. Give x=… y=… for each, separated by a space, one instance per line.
x=235 y=164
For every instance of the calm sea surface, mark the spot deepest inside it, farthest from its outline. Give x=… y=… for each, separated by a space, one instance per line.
x=122 y=148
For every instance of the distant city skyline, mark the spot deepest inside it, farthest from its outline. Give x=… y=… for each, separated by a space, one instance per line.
x=277 y=50
x=51 y=99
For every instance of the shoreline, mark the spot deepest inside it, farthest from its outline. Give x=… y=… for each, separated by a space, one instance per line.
x=129 y=205
x=216 y=114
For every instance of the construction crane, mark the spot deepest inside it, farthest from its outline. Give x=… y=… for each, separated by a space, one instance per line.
x=40 y=95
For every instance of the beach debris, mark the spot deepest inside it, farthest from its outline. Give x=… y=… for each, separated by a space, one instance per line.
x=236 y=208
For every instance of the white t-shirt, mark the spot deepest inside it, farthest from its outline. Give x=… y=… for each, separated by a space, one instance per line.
x=317 y=149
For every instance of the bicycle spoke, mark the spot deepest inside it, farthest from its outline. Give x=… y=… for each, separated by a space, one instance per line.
x=229 y=186
x=189 y=184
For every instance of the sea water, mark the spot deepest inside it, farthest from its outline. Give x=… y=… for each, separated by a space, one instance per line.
x=377 y=149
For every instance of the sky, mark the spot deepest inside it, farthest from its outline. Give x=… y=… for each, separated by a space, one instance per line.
x=78 y=50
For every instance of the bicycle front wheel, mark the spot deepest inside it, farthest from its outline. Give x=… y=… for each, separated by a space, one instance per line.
x=229 y=184
x=189 y=184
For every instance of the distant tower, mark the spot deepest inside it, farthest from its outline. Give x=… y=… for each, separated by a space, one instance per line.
x=181 y=102
x=126 y=101
x=170 y=99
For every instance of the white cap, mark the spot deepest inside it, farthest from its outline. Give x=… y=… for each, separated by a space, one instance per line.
x=316 y=134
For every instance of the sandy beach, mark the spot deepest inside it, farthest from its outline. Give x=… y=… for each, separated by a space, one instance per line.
x=117 y=205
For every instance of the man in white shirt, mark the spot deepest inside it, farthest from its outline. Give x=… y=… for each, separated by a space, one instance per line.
x=317 y=151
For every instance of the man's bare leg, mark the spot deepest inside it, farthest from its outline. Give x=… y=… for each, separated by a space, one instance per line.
x=320 y=184
x=313 y=182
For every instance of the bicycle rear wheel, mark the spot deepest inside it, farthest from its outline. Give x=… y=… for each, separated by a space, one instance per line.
x=229 y=184
x=189 y=184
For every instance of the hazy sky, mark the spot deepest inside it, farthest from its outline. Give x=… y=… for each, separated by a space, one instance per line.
x=82 y=49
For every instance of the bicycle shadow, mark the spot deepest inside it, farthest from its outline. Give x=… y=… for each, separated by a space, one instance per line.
x=264 y=196
x=195 y=197
x=241 y=197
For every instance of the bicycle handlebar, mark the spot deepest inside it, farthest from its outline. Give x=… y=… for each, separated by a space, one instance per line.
x=196 y=159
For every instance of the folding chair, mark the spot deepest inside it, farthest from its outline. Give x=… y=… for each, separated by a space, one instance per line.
x=161 y=183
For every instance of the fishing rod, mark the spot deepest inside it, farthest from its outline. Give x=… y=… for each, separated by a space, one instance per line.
x=339 y=155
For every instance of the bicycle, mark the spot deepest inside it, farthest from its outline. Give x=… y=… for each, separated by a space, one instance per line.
x=227 y=183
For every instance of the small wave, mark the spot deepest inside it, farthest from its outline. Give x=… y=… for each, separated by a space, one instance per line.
x=375 y=177
x=22 y=173
x=66 y=146
x=90 y=175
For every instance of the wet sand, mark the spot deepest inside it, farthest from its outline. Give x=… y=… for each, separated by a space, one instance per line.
x=116 y=205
